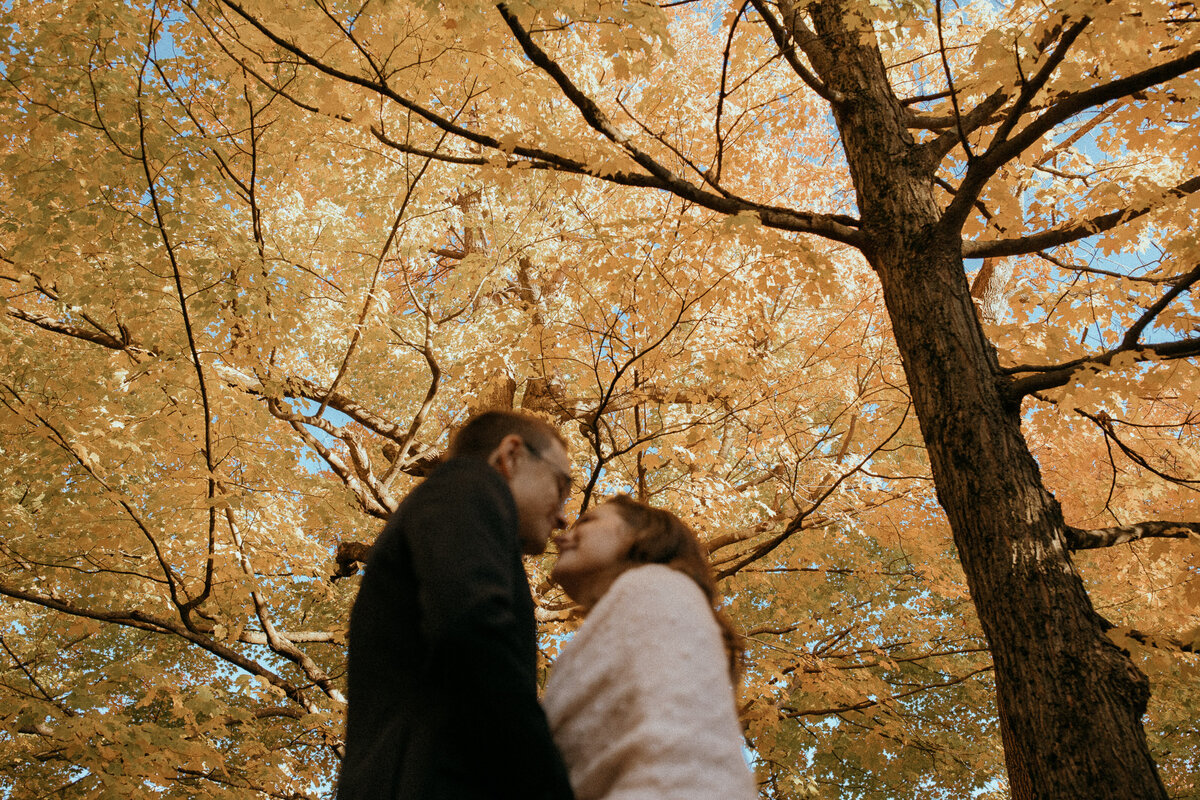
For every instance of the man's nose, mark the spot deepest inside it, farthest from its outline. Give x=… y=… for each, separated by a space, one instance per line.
x=560 y=522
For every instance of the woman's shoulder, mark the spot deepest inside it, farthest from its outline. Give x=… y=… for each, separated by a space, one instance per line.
x=656 y=586
x=647 y=575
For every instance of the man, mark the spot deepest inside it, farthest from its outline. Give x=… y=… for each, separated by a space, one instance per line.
x=442 y=667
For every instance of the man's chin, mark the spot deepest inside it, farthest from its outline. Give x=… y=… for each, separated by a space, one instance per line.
x=534 y=545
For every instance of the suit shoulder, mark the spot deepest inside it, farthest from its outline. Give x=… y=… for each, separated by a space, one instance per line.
x=462 y=491
x=461 y=482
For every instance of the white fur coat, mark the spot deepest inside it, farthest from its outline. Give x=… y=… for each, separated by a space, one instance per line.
x=640 y=701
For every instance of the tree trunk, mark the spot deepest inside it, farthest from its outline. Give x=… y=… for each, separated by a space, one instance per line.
x=1070 y=700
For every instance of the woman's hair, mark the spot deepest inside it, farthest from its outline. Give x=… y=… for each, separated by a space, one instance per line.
x=660 y=537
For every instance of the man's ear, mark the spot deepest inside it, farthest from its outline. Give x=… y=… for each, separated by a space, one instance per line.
x=504 y=458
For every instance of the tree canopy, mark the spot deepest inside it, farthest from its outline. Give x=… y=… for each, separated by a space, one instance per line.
x=891 y=301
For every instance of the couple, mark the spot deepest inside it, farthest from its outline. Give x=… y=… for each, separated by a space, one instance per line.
x=443 y=657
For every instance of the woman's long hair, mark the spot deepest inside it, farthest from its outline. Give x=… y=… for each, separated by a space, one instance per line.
x=660 y=537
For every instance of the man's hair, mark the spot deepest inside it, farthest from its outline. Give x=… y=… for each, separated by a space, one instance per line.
x=482 y=434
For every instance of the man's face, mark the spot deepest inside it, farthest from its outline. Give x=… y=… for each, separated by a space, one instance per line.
x=540 y=483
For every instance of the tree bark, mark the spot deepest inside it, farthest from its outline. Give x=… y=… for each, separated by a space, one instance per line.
x=1070 y=701
x=990 y=287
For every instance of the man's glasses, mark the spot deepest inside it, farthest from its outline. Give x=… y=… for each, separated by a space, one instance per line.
x=565 y=483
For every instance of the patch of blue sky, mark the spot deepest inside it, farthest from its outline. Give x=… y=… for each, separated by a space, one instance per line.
x=7 y=49
x=310 y=459
x=164 y=45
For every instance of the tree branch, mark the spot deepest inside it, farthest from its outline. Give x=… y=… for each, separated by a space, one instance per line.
x=1004 y=150
x=837 y=227
x=958 y=119
x=1130 y=340
x=278 y=642
x=1030 y=88
x=1105 y=423
x=175 y=584
x=599 y=121
x=366 y=489
x=143 y=156
x=1058 y=262
x=1045 y=240
x=1058 y=375
x=1083 y=539
x=820 y=712
x=59 y=326
x=958 y=127
x=786 y=42
x=133 y=618
x=387 y=246
x=435 y=373
x=797 y=523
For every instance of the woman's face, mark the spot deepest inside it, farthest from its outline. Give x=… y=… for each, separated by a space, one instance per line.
x=592 y=549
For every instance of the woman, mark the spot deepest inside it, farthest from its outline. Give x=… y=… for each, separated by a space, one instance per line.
x=640 y=700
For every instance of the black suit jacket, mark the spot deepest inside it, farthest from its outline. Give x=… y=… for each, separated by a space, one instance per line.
x=443 y=656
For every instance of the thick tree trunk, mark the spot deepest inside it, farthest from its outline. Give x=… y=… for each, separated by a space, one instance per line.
x=1070 y=700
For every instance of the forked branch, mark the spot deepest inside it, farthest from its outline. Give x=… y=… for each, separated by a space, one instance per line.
x=1004 y=148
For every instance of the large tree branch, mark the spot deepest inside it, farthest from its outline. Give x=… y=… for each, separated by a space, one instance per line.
x=1031 y=87
x=785 y=40
x=276 y=640
x=1045 y=240
x=303 y=388
x=837 y=227
x=976 y=118
x=1129 y=342
x=979 y=171
x=1186 y=642
x=1083 y=539
x=935 y=149
x=48 y=323
x=1061 y=374
x=592 y=114
x=1131 y=337
x=365 y=488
